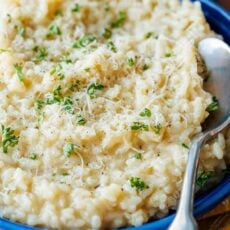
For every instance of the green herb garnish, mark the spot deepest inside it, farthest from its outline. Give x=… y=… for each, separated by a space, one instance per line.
x=137 y=156
x=158 y=128
x=138 y=184
x=20 y=74
x=203 y=178
x=106 y=33
x=145 y=113
x=214 y=105
x=68 y=105
x=68 y=149
x=84 y=41
x=168 y=54
x=21 y=30
x=80 y=120
x=56 y=96
x=131 y=61
x=38 y=104
x=33 y=156
x=145 y=67
x=76 y=8
x=111 y=46
x=139 y=126
x=66 y=59
x=41 y=54
x=148 y=35
x=54 y=30
x=8 y=138
x=185 y=146
x=91 y=90
x=119 y=21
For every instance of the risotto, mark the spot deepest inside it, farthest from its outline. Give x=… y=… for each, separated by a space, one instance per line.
x=99 y=101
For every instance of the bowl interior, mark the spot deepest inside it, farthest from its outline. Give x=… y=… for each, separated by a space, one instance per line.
x=219 y=21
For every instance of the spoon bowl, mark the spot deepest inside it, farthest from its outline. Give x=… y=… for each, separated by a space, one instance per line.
x=216 y=55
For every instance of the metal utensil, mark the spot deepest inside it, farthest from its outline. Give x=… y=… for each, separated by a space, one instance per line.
x=216 y=55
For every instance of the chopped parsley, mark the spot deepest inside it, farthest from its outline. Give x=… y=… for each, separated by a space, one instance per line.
x=66 y=59
x=145 y=67
x=111 y=46
x=169 y=54
x=76 y=8
x=137 y=156
x=80 y=120
x=65 y=174
x=131 y=61
x=91 y=90
x=119 y=21
x=41 y=54
x=33 y=156
x=203 y=178
x=74 y=86
x=148 y=35
x=158 y=128
x=68 y=149
x=84 y=41
x=145 y=113
x=185 y=146
x=106 y=6
x=87 y=70
x=138 y=184
x=18 y=69
x=214 y=105
x=139 y=126
x=38 y=104
x=57 y=70
x=8 y=138
x=56 y=96
x=54 y=30
x=21 y=31
x=68 y=105
x=106 y=33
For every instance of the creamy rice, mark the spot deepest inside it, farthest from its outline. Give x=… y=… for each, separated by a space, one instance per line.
x=103 y=98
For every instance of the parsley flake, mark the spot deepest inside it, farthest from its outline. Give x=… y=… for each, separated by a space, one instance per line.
x=68 y=105
x=158 y=128
x=131 y=61
x=8 y=138
x=119 y=21
x=139 y=126
x=33 y=156
x=38 y=104
x=106 y=33
x=137 y=156
x=185 y=146
x=56 y=96
x=91 y=90
x=138 y=184
x=84 y=41
x=111 y=46
x=21 y=31
x=148 y=35
x=76 y=8
x=68 y=149
x=41 y=54
x=54 y=30
x=18 y=69
x=145 y=113
x=214 y=105
x=80 y=120
x=203 y=178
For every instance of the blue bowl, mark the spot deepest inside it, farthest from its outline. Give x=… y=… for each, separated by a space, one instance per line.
x=219 y=19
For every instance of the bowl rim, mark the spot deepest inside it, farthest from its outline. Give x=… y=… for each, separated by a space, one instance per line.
x=202 y=203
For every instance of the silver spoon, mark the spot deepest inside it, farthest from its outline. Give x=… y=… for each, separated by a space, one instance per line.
x=216 y=55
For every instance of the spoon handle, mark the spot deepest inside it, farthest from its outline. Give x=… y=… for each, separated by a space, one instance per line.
x=184 y=219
